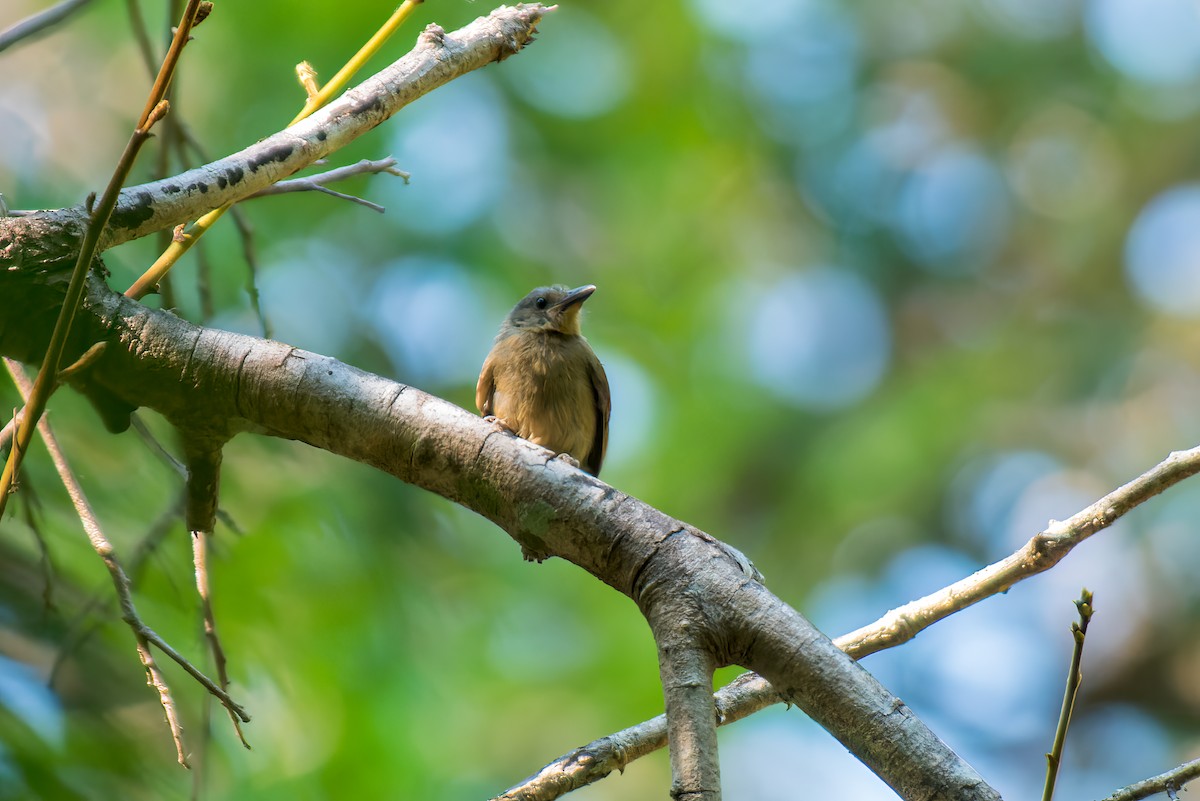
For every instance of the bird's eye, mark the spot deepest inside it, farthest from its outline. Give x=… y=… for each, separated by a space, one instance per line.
x=540 y=303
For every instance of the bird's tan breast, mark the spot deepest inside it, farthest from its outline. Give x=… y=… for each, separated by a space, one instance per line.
x=543 y=391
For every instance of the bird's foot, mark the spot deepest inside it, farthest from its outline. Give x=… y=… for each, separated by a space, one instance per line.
x=569 y=459
x=499 y=423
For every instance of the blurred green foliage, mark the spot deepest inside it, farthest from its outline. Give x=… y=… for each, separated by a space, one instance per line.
x=873 y=311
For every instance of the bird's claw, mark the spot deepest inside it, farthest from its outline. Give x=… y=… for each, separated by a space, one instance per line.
x=498 y=423
x=569 y=459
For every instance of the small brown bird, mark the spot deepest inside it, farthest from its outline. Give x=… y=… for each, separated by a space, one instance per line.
x=542 y=380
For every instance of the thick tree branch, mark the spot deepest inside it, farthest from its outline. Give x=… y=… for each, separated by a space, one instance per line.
x=161 y=361
x=750 y=692
x=687 y=668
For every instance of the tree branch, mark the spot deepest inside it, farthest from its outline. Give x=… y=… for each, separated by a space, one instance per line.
x=549 y=507
x=1163 y=783
x=686 y=668
x=437 y=58
x=750 y=692
x=317 y=183
x=36 y=23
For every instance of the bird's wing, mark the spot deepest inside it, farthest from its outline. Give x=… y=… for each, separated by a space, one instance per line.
x=603 y=410
x=485 y=390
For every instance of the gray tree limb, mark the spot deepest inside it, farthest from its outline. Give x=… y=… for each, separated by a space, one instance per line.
x=550 y=508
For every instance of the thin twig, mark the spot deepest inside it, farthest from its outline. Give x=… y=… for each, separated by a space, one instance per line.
x=83 y=624
x=200 y=560
x=339 y=81
x=155 y=679
x=204 y=273
x=31 y=510
x=85 y=361
x=103 y=547
x=39 y=22
x=1074 y=679
x=6 y=432
x=107 y=553
x=750 y=692
x=246 y=233
x=141 y=35
x=317 y=183
x=1169 y=782
x=45 y=383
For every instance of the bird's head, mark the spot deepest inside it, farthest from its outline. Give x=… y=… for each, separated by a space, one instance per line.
x=549 y=308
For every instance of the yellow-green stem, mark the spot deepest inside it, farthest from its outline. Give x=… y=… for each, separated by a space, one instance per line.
x=1074 y=679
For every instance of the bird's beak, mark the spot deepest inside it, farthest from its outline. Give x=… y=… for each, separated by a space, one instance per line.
x=574 y=297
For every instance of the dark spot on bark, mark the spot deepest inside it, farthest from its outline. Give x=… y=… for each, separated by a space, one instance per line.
x=235 y=175
x=172 y=189
x=221 y=182
x=133 y=211
x=368 y=104
x=321 y=135
x=274 y=154
x=198 y=187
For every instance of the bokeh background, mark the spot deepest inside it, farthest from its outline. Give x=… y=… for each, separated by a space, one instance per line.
x=883 y=288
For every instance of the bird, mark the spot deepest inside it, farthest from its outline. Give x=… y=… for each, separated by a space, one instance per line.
x=542 y=381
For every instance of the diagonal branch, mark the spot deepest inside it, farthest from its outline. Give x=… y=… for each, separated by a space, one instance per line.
x=1168 y=782
x=437 y=58
x=548 y=507
x=750 y=692
x=39 y=22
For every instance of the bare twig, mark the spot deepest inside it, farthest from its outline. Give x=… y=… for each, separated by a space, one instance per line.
x=317 y=183
x=30 y=512
x=1074 y=679
x=82 y=624
x=155 y=679
x=39 y=22
x=85 y=361
x=45 y=383
x=141 y=35
x=200 y=560
x=750 y=692
x=246 y=234
x=104 y=548
x=1168 y=782
x=7 y=431
x=100 y=543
